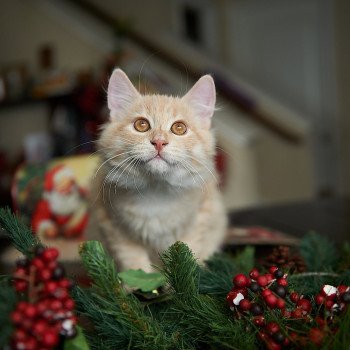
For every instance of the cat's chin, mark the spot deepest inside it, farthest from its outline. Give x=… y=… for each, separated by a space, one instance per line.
x=158 y=165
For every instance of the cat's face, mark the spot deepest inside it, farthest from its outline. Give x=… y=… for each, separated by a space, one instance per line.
x=156 y=138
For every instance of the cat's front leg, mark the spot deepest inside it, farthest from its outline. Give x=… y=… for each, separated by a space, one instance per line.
x=127 y=253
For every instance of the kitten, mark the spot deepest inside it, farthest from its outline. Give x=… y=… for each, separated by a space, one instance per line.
x=156 y=182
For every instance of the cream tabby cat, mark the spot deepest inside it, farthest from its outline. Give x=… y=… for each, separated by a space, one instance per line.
x=156 y=184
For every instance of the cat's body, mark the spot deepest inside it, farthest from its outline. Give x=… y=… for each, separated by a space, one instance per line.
x=156 y=183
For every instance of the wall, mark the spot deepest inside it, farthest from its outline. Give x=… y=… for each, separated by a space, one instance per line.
x=25 y=25
x=342 y=30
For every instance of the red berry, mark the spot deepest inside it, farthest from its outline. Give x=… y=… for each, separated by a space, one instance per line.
x=297 y=313
x=22 y=305
x=259 y=320
x=230 y=296
x=269 y=277
x=271 y=345
x=20 y=271
x=50 y=287
x=245 y=305
x=38 y=263
x=294 y=297
x=272 y=327
x=282 y=282
x=27 y=323
x=320 y=299
x=329 y=304
x=31 y=311
x=16 y=317
x=55 y=305
x=243 y=291
x=69 y=304
x=21 y=286
x=316 y=336
x=272 y=269
x=342 y=288
x=44 y=274
x=50 y=254
x=50 y=338
x=61 y=293
x=320 y=321
x=241 y=280
x=31 y=344
x=254 y=273
x=262 y=281
x=280 y=304
x=265 y=293
x=65 y=283
x=286 y=313
x=271 y=300
x=40 y=327
x=304 y=304
x=19 y=334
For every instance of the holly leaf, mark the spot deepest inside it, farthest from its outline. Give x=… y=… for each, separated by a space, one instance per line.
x=78 y=342
x=139 y=279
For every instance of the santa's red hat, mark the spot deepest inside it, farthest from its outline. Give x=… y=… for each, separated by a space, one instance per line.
x=54 y=175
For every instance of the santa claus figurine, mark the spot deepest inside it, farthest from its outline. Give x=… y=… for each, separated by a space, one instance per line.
x=63 y=208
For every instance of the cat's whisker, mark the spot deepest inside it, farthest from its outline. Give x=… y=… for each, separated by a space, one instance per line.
x=80 y=145
x=109 y=159
x=201 y=163
x=189 y=167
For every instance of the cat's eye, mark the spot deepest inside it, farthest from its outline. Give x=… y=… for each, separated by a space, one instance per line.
x=142 y=125
x=178 y=128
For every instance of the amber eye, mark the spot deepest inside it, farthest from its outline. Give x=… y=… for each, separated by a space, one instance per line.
x=179 y=128
x=142 y=125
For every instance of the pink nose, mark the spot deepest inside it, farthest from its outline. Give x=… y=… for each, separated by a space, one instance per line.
x=159 y=144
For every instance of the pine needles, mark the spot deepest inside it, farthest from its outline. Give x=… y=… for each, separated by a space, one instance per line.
x=21 y=236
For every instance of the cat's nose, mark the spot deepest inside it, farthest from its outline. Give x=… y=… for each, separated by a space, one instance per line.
x=159 y=144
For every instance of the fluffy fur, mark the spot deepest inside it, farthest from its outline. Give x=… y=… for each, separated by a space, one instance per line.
x=146 y=199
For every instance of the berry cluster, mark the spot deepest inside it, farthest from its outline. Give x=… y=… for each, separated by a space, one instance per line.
x=46 y=311
x=259 y=296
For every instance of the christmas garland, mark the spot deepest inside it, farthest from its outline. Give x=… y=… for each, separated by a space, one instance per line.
x=229 y=304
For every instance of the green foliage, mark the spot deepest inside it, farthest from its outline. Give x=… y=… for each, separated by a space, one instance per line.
x=77 y=343
x=118 y=317
x=216 y=277
x=319 y=253
x=139 y=279
x=21 y=236
x=8 y=300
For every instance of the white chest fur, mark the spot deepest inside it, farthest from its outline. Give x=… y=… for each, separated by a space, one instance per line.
x=156 y=217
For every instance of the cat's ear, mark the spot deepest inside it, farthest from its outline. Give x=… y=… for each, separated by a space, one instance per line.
x=202 y=98
x=121 y=93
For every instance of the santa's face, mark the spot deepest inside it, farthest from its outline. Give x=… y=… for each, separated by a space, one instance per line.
x=65 y=184
x=64 y=203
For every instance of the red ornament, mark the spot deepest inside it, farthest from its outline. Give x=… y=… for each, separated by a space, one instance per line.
x=304 y=304
x=245 y=305
x=294 y=297
x=316 y=336
x=271 y=300
x=241 y=280
x=280 y=304
x=254 y=273
x=262 y=281
x=273 y=269
x=272 y=327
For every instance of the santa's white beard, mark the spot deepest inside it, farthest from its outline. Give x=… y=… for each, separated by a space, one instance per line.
x=64 y=204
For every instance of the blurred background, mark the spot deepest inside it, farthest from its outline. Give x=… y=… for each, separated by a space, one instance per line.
x=281 y=69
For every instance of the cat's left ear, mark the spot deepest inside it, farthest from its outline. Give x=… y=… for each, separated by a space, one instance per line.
x=121 y=93
x=202 y=99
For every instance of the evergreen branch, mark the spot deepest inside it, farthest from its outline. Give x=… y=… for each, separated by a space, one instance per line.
x=201 y=318
x=116 y=315
x=319 y=253
x=21 y=236
x=8 y=300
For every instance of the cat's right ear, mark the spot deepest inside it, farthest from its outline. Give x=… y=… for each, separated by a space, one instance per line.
x=121 y=93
